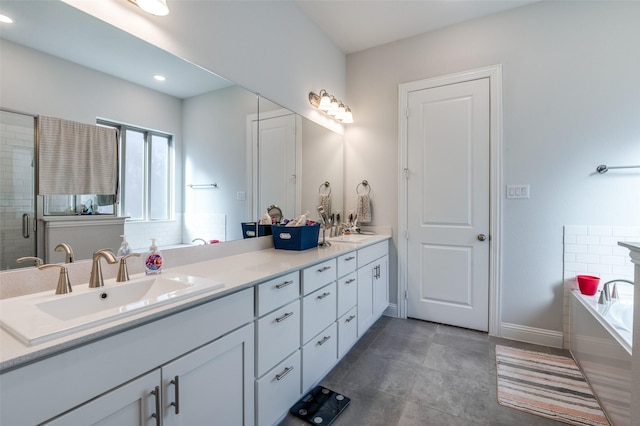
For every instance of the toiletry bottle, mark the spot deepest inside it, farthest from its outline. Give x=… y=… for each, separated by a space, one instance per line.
x=266 y=219
x=124 y=249
x=153 y=259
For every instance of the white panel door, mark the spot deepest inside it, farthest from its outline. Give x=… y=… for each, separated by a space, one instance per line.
x=448 y=204
x=277 y=157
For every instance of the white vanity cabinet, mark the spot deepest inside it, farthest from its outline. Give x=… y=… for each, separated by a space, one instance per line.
x=112 y=373
x=210 y=385
x=278 y=360
x=135 y=403
x=373 y=284
x=213 y=384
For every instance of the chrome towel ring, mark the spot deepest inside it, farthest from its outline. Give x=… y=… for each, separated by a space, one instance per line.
x=327 y=187
x=365 y=187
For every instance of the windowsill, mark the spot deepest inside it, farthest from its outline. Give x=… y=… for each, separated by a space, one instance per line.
x=132 y=221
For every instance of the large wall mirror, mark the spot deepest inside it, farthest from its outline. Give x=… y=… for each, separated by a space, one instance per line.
x=226 y=140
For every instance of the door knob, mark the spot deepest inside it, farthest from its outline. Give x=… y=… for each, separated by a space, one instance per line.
x=482 y=237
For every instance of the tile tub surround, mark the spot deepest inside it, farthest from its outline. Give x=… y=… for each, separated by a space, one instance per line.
x=594 y=250
x=412 y=372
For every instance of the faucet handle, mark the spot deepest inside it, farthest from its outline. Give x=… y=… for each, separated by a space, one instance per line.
x=64 y=285
x=28 y=258
x=123 y=272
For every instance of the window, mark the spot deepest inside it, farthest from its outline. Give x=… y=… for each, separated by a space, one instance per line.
x=146 y=170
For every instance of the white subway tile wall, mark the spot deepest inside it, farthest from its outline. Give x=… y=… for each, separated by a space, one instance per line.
x=166 y=233
x=17 y=191
x=594 y=250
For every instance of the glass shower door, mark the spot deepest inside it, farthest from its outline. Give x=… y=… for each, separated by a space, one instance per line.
x=17 y=191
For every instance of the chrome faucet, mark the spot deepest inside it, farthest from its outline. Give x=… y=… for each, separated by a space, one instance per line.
x=28 y=258
x=123 y=272
x=64 y=285
x=96 y=270
x=199 y=239
x=607 y=295
x=68 y=251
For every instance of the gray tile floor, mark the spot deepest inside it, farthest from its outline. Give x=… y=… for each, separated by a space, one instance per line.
x=410 y=373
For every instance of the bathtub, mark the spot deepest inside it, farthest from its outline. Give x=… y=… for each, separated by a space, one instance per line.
x=601 y=343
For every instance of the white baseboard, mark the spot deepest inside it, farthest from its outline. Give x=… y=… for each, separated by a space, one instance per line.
x=391 y=311
x=538 y=336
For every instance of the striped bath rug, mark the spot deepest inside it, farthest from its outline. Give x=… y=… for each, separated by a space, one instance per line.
x=546 y=385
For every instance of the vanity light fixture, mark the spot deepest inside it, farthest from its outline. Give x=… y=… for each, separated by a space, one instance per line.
x=154 y=7
x=5 y=19
x=331 y=106
x=159 y=77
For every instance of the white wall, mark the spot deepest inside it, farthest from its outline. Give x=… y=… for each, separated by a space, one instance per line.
x=571 y=102
x=268 y=47
x=215 y=132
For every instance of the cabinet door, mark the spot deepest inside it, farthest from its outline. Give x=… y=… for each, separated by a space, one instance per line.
x=365 y=298
x=212 y=385
x=381 y=286
x=129 y=405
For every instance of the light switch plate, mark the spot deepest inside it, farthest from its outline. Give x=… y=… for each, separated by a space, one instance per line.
x=517 y=191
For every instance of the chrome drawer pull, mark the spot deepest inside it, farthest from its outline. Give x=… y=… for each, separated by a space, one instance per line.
x=284 y=284
x=323 y=295
x=284 y=373
x=350 y=281
x=324 y=268
x=350 y=258
x=156 y=414
x=350 y=318
x=284 y=317
x=324 y=340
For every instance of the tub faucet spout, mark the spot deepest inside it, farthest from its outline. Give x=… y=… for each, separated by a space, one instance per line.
x=610 y=292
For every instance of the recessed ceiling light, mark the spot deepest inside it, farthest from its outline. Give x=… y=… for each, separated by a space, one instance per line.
x=159 y=77
x=5 y=19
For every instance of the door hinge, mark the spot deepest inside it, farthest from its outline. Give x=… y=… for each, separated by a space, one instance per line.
x=406 y=172
x=406 y=234
x=406 y=295
x=406 y=113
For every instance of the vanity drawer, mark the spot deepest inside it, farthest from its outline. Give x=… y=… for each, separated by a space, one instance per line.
x=347 y=293
x=373 y=252
x=318 y=311
x=347 y=331
x=278 y=336
x=319 y=355
x=277 y=292
x=347 y=263
x=318 y=275
x=278 y=390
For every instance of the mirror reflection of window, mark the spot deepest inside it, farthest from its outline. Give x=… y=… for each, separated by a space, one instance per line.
x=146 y=172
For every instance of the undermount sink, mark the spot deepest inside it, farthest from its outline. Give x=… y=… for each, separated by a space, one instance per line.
x=351 y=238
x=40 y=317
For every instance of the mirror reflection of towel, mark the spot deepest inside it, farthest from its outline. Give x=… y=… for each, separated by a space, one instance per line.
x=363 y=208
x=325 y=202
x=105 y=200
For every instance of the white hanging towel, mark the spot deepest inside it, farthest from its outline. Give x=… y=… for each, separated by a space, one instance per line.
x=325 y=202
x=363 y=208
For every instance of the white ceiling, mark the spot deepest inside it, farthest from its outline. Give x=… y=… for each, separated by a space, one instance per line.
x=355 y=25
x=62 y=30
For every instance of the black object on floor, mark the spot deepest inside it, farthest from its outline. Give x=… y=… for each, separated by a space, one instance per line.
x=320 y=406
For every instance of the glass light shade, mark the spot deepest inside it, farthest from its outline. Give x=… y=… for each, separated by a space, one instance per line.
x=348 y=116
x=333 y=110
x=154 y=7
x=325 y=102
x=341 y=111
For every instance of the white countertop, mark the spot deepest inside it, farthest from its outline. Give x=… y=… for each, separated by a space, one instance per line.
x=237 y=272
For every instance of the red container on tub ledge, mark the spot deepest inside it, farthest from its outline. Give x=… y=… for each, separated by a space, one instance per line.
x=588 y=284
